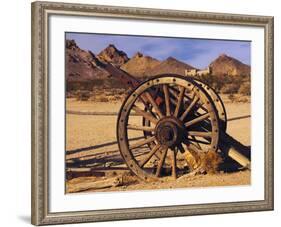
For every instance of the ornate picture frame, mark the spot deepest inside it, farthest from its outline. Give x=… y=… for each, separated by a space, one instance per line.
x=41 y=67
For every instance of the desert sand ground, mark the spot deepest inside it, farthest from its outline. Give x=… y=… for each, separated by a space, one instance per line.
x=92 y=152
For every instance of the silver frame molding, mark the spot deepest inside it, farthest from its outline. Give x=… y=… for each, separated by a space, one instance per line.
x=40 y=191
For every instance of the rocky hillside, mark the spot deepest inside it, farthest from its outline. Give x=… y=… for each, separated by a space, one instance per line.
x=171 y=65
x=226 y=65
x=140 y=65
x=112 y=55
x=80 y=64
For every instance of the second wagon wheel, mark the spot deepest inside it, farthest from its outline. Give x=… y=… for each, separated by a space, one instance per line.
x=218 y=104
x=180 y=115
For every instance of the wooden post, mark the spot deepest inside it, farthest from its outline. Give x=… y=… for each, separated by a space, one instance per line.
x=238 y=157
x=235 y=150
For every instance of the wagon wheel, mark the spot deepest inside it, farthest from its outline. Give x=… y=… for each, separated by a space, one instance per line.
x=179 y=116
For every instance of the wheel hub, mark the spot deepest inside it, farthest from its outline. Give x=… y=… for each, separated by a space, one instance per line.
x=169 y=131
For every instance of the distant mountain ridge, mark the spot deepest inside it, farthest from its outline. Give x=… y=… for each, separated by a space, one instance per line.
x=81 y=65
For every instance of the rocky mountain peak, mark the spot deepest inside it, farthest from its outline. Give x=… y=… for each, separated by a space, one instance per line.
x=112 y=46
x=226 y=65
x=112 y=55
x=171 y=59
x=138 y=55
x=140 y=65
x=71 y=44
x=223 y=56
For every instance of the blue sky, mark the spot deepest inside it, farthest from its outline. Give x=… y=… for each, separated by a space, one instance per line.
x=196 y=52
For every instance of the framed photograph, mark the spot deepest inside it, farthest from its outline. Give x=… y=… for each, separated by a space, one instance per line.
x=149 y=113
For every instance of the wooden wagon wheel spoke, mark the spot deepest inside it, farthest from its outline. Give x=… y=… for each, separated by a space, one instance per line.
x=162 y=160
x=142 y=142
x=174 y=163
x=167 y=99
x=200 y=134
x=197 y=106
x=140 y=128
x=145 y=114
x=146 y=105
x=180 y=147
x=188 y=109
x=176 y=94
x=201 y=106
x=192 y=147
x=172 y=114
x=173 y=95
x=173 y=92
x=154 y=104
x=149 y=155
x=198 y=141
x=194 y=134
x=197 y=120
x=179 y=102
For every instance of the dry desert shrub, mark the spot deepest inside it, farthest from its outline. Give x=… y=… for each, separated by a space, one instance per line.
x=70 y=95
x=236 y=98
x=82 y=95
x=210 y=161
x=231 y=97
x=230 y=88
x=101 y=98
x=129 y=178
x=243 y=99
x=245 y=89
x=203 y=163
x=113 y=98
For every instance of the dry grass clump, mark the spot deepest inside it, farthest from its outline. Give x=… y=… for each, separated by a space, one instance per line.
x=83 y=95
x=101 y=98
x=129 y=178
x=230 y=88
x=98 y=95
x=245 y=89
x=243 y=99
x=237 y=98
x=203 y=163
x=231 y=97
